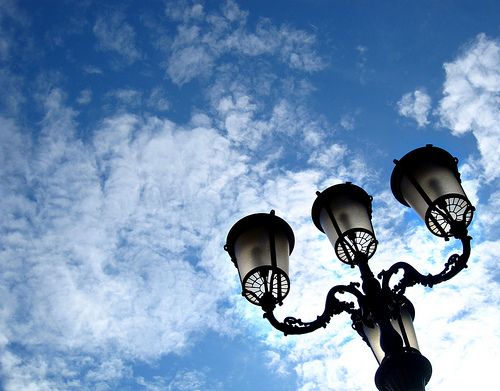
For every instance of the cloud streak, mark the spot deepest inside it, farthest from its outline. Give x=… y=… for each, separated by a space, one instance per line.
x=114 y=34
x=203 y=38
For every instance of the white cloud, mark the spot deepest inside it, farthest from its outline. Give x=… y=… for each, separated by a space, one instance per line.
x=85 y=97
x=184 y=380
x=361 y=63
x=11 y=98
x=126 y=96
x=92 y=70
x=14 y=43
x=12 y=21
x=103 y=251
x=4 y=48
x=297 y=50
x=189 y=62
x=471 y=101
x=347 y=122
x=114 y=34
x=237 y=113
x=109 y=370
x=202 y=40
x=277 y=363
x=489 y=217
x=188 y=381
x=415 y=105
x=345 y=165
x=158 y=100
x=31 y=374
x=250 y=123
x=181 y=11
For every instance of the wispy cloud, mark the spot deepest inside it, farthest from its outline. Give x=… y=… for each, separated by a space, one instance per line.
x=361 y=63
x=12 y=21
x=158 y=100
x=13 y=42
x=194 y=380
x=11 y=98
x=415 y=105
x=347 y=122
x=189 y=62
x=127 y=96
x=85 y=97
x=203 y=38
x=92 y=70
x=116 y=35
x=247 y=124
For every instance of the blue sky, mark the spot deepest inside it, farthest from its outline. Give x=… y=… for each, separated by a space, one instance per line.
x=133 y=135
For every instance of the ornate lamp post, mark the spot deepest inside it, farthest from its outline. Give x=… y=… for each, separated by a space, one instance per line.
x=427 y=179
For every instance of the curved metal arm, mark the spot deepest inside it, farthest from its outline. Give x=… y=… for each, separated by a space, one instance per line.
x=411 y=276
x=333 y=306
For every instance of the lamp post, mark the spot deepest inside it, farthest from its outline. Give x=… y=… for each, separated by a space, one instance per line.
x=427 y=179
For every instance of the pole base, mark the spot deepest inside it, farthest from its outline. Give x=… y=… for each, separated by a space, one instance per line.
x=405 y=371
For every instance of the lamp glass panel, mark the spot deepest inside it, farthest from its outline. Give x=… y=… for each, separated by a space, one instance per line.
x=253 y=249
x=410 y=339
x=351 y=215
x=407 y=334
x=373 y=336
x=435 y=181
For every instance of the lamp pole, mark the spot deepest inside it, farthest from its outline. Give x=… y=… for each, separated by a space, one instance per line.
x=426 y=179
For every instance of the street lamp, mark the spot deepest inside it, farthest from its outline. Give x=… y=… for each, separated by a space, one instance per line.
x=427 y=179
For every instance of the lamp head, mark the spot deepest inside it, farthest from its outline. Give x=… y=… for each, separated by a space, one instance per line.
x=259 y=246
x=427 y=179
x=343 y=212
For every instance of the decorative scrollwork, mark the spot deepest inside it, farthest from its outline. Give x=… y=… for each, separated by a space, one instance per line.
x=333 y=306
x=411 y=276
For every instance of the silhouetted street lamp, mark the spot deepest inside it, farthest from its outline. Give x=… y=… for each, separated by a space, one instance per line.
x=427 y=179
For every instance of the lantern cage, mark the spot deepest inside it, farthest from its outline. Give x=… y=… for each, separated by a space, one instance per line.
x=402 y=317
x=259 y=245
x=427 y=179
x=343 y=213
